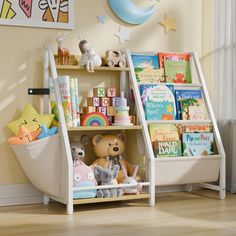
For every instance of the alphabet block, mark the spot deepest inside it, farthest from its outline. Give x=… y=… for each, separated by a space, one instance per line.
x=111 y=111
x=88 y=109
x=99 y=92
x=93 y=101
x=105 y=101
x=102 y=110
x=116 y=101
x=111 y=92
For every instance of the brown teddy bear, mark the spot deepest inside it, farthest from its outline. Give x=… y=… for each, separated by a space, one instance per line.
x=109 y=150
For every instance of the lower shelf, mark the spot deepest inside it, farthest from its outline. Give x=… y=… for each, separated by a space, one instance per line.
x=113 y=199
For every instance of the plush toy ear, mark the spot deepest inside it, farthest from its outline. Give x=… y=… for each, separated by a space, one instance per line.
x=115 y=171
x=97 y=139
x=121 y=136
x=135 y=171
x=84 y=139
x=97 y=172
x=124 y=171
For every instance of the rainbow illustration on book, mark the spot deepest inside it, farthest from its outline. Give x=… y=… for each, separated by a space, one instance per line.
x=95 y=119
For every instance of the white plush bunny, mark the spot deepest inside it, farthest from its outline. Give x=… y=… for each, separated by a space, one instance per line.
x=131 y=180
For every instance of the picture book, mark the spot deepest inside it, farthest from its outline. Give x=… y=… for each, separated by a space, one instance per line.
x=167 y=148
x=158 y=101
x=163 y=132
x=73 y=102
x=177 y=71
x=197 y=144
x=182 y=94
x=197 y=128
x=172 y=57
x=193 y=109
x=147 y=69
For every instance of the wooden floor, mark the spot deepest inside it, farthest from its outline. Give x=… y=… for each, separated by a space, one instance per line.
x=179 y=214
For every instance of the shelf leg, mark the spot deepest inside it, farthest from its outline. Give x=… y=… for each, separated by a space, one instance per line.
x=69 y=208
x=152 y=182
x=46 y=199
x=189 y=187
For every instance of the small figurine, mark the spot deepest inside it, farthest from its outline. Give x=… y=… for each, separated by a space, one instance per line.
x=89 y=58
x=113 y=58
x=63 y=53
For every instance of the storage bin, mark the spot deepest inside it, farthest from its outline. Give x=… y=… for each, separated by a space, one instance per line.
x=186 y=170
x=40 y=161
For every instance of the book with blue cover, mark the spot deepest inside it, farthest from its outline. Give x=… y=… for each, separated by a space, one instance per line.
x=147 y=69
x=182 y=94
x=158 y=101
x=197 y=144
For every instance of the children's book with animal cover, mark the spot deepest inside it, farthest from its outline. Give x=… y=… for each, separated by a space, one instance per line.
x=177 y=71
x=158 y=101
x=147 y=69
x=193 y=109
x=163 y=132
x=197 y=144
x=172 y=57
x=167 y=148
x=182 y=94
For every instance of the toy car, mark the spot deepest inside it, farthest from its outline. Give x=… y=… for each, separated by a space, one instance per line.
x=113 y=58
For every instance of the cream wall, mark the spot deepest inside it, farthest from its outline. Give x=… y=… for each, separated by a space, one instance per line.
x=21 y=50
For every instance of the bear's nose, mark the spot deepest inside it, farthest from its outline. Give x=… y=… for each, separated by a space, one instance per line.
x=80 y=153
x=115 y=149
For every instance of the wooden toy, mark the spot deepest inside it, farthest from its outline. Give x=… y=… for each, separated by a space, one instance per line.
x=115 y=101
x=102 y=110
x=89 y=109
x=111 y=92
x=95 y=119
x=99 y=92
x=111 y=111
x=93 y=101
x=113 y=58
x=105 y=101
x=63 y=53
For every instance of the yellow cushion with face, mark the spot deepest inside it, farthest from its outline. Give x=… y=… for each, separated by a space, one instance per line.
x=31 y=120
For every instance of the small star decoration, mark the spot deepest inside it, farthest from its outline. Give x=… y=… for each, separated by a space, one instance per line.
x=45 y=132
x=123 y=34
x=168 y=23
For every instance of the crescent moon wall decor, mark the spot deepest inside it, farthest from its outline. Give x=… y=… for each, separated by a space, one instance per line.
x=127 y=11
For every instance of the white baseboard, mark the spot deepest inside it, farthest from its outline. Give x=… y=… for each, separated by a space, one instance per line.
x=18 y=194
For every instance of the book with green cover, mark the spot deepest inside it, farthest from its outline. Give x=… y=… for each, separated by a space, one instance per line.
x=177 y=71
x=167 y=148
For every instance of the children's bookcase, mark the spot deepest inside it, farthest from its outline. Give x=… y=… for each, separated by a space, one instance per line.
x=192 y=170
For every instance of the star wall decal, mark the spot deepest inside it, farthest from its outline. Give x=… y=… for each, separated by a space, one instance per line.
x=45 y=132
x=123 y=34
x=168 y=23
x=101 y=19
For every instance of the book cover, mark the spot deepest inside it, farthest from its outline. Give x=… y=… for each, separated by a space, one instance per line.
x=193 y=109
x=147 y=69
x=182 y=94
x=197 y=144
x=177 y=71
x=158 y=101
x=172 y=57
x=73 y=102
x=163 y=132
x=197 y=128
x=167 y=149
x=77 y=102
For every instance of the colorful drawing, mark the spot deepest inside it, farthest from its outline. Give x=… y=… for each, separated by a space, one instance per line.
x=54 y=10
x=26 y=6
x=7 y=12
x=95 y=119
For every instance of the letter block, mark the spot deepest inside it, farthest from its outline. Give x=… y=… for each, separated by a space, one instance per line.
x=102 y=110
x=111 y=111
x=105 y=102
x=116 y=101
x=99 y=92
x=88 y=109
x=93 y=101
x=111 y=92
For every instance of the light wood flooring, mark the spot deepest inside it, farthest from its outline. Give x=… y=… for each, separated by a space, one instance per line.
x=179 y=214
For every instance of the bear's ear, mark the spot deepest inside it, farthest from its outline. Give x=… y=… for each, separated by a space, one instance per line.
x=97 y=139
x=121 y=136
x=84 y=139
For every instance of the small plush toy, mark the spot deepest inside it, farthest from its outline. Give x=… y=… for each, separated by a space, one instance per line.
x=45 y=132
x=77 y=148
x=131 y=180
x=24 y=136
x=109 y=150
x=107 y=177
x=83 y=176
x=89 y=58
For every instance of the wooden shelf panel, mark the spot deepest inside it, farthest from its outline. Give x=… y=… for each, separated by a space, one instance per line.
x=113 y=199
x=101 y=68
x=102 y=128
x=178 y=121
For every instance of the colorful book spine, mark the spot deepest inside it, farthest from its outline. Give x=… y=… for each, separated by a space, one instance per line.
x=73 y=102
x=64 y=85
x=77 y=102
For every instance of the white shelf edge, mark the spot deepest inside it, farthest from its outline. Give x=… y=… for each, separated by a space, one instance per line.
x=191 y=85
x=111 y=186
x=187 y=158
x=178 y=121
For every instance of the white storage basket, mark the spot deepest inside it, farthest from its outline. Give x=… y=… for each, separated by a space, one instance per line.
x=40 y=161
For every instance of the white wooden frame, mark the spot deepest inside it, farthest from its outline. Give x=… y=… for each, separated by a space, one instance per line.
x=22 y=20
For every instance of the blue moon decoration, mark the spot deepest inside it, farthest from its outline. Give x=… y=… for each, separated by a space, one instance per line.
x=127 y=11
